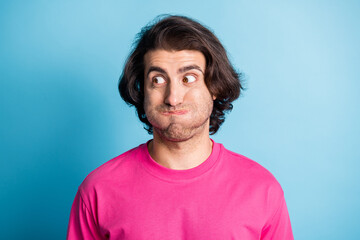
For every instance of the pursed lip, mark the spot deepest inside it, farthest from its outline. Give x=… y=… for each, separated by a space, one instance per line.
x=175 y=112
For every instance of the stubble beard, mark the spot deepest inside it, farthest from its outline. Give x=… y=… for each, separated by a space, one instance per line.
x=175 y=130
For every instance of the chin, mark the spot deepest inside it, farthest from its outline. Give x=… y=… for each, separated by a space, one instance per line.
x=176 y=132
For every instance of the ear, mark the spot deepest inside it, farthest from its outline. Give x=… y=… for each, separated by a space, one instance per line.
x=214 y=97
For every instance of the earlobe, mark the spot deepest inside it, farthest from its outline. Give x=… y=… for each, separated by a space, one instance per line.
x=214 y=97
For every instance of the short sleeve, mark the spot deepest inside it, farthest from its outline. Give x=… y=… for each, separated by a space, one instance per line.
x=279 y=226
x=81 y=223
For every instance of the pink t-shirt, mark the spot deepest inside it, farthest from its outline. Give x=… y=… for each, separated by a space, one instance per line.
x=226 y=197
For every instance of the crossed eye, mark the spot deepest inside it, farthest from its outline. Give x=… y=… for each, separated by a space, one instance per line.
x=158 y=80
x=186 y=79
x=189 y=79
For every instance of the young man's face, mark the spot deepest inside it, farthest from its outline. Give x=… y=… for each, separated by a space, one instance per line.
x=177 y=102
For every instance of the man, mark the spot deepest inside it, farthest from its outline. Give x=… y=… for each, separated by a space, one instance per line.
x=181 y=184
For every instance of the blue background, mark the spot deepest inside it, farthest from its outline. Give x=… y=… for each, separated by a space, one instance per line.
x=61 y=114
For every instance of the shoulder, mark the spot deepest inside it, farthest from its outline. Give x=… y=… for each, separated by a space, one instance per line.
x=113 y=171
x=249 y=172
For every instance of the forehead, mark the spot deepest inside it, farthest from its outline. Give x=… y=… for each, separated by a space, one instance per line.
x=174 y=59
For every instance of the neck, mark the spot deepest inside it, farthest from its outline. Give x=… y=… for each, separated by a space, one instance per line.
x=180 y=155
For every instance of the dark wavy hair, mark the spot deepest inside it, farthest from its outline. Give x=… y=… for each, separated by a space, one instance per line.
x=181 y=33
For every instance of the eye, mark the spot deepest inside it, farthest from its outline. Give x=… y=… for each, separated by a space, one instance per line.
x=158 y=80
x=189 y=79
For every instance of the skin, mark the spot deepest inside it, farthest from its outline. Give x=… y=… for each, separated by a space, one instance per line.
x=178 y=105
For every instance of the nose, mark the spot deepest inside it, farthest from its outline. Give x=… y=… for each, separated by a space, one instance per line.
x=174 y=94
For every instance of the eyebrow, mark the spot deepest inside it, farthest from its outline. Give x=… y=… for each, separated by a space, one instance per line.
x=181 y=70
x=155 y=69
x=190 y=67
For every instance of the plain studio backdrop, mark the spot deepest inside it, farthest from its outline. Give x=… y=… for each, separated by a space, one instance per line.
x=62 y=116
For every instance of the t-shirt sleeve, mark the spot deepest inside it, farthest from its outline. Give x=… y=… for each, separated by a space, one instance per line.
x=279 y=226
x=81 y=224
